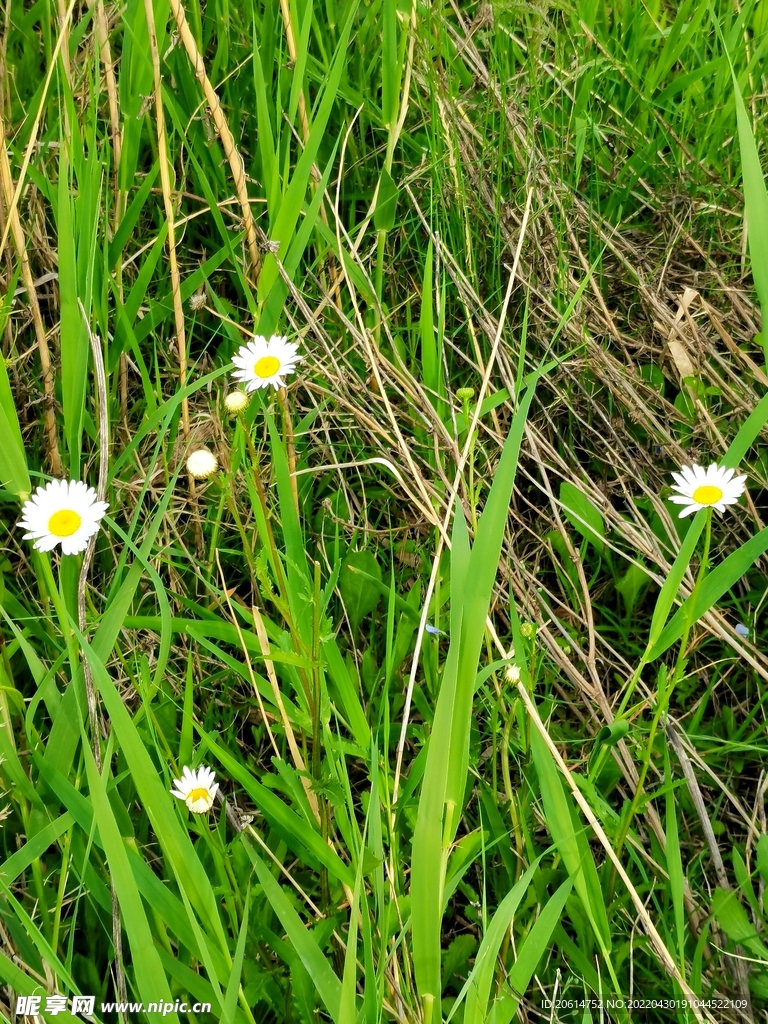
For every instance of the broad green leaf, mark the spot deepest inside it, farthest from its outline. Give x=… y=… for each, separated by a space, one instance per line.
x=74 y=343
x=747 y=433
x=350 y=700
x=582 y=515
x=386 y=203
x=473 y=573
x=610 y=735
x=631 y=585
x=733 y=919
x=359 y=595
x=762 y=856
x=426 y=863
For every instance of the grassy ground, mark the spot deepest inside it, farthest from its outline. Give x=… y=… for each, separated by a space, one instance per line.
x=489 y=744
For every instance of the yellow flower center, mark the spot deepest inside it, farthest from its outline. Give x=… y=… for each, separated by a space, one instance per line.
x=707 y=494
x=267 y=366
x=64 y=523
x=198 y=794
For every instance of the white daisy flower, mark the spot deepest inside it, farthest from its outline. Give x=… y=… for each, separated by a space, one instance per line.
x=201 y=464
x=263 y=362
x=63 y=512
x=235 y=402
x=714 y=487
x=197 y=789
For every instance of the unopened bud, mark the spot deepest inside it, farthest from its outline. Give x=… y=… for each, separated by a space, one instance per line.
x=235 y=402
x=201 y=464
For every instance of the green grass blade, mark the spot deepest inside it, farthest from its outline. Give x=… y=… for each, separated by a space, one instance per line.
x=427 y=865
x=325 y=980
x=157 y=801
x=671 y=585
x=481 y=575
x=233 y=986
x=290 y=207
x=570 y=840
x=536 y=942
x=14 y=475
x=278 y=812
x=748 y=432
x=149 y=976
x=756 y=205
x=74 y=343
x=717 y=583
x=478 y=984
x=674 y=864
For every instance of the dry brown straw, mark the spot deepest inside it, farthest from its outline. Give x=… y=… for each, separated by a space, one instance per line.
x=49 y=416
x=227 y=140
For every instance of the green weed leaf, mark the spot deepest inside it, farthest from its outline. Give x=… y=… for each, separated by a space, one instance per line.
x=358 y=594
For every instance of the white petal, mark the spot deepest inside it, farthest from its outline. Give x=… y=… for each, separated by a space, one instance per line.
x=47 y=543
x=73 y=545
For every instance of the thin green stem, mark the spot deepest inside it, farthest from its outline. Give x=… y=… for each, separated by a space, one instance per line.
x=59 y=603
x=665 y=695
x=279 y=575
x=316 y=685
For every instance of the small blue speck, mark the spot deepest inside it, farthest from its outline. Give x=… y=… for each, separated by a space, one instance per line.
x=742 y=630
x=433 y=630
